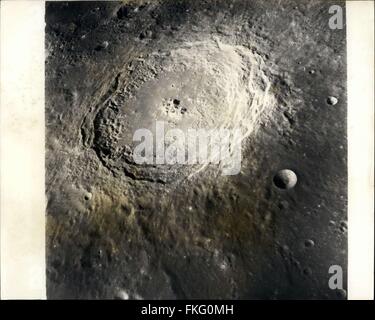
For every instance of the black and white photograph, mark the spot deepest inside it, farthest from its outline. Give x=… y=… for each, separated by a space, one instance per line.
x=188 y=150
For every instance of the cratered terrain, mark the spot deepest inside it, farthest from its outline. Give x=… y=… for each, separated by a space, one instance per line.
x=120 y=230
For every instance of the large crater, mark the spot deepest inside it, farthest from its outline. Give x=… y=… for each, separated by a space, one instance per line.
x=194 y=85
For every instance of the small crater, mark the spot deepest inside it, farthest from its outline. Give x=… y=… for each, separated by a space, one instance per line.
x=102 y=46
x=174 y=106
x=309 y=243
x=88 y=196
x=122 y=295
x=332 y=101
x=341 y=293
x=123 y=12
x=331 y=223
x=343 y=226
x=142 y=35
x=285 y=179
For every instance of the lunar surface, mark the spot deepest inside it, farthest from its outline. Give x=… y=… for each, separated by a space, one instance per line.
x=117 y=229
